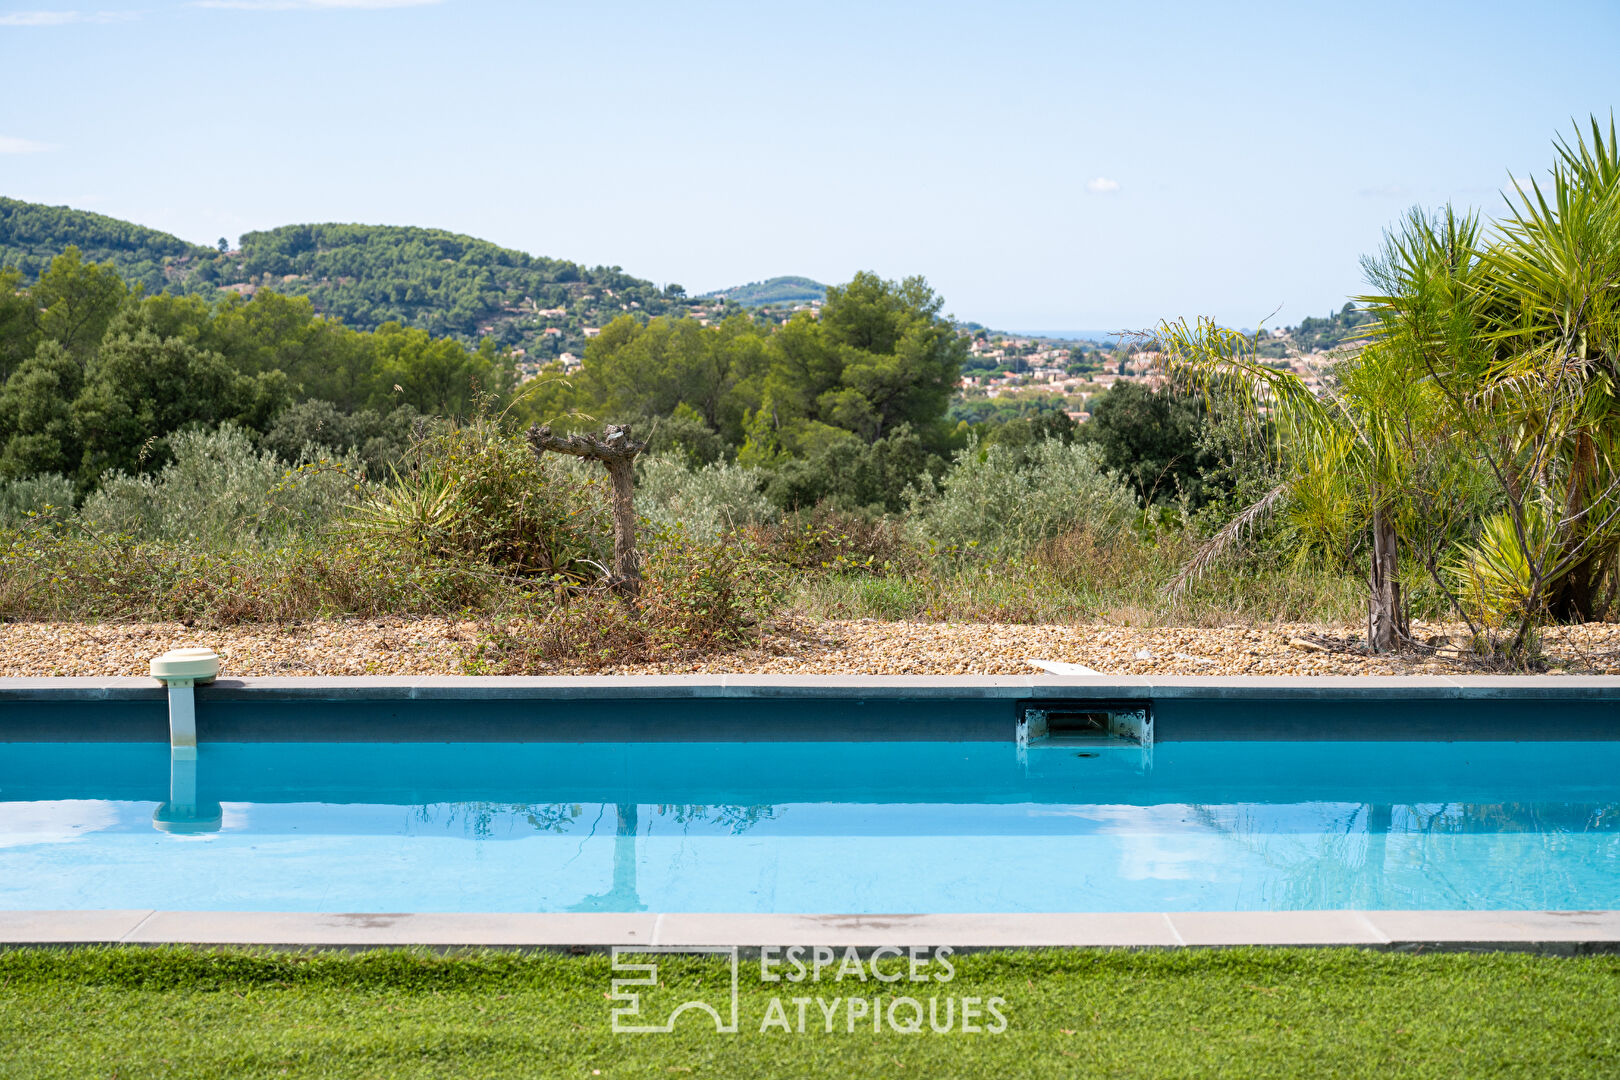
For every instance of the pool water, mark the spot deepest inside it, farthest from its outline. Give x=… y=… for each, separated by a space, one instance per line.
x=858 y=827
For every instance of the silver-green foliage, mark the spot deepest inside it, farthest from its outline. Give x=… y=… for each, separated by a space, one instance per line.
x=219 y=489
x=707 y=501
x=1006 y=499
x=31 y=495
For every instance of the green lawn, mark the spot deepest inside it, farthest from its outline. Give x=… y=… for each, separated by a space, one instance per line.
x=132 y=1013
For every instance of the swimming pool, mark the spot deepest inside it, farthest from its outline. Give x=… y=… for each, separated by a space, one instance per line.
x=788 y=825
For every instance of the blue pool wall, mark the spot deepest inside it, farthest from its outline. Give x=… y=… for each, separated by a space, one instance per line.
x=809 y=709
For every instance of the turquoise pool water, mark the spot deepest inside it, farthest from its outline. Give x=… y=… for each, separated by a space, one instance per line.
x=804 y=827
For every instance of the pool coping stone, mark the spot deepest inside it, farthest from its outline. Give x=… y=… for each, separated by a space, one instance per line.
x=782 y=687
x=1554 y=931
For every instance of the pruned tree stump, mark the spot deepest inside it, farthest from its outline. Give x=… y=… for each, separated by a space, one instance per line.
x=617 y=451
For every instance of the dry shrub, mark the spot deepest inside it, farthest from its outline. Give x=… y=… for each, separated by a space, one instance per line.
x=838 y=541
x=697 y=598
x=1085 y=558
x=74 y=576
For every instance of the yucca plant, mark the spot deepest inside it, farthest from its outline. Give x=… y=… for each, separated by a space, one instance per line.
x=420 y=510
x=477 y=494
x=1494 y=577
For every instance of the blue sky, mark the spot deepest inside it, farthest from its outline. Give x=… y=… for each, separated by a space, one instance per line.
x=1044 y=165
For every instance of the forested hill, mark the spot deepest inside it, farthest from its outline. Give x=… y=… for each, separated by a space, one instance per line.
x=776 y=290
x=365 y=275
x=31 y=235
x=442 y=282
x=445 y=283
x=1342 y=327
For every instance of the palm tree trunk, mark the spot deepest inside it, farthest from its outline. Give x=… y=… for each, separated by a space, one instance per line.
x=1576 y=595
x=1385 y=624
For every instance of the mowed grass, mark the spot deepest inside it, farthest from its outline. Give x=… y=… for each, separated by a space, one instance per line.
x=132 y=1013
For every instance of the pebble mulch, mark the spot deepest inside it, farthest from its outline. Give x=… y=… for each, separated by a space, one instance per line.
x=321 y=647
x=398 y=646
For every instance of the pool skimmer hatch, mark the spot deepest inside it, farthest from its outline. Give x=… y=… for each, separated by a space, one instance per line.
x=1085 y=729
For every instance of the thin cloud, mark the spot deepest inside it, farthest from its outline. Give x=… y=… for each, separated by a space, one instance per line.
x=63 y=18
x=310 y=5
x=10 y=145
x=1102 y=186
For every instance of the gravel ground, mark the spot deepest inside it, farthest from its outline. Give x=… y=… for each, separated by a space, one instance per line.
x=440 y=646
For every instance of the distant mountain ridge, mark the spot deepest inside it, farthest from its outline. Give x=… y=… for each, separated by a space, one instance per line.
x=366 y=275
x=776 y=290
x=443 y=282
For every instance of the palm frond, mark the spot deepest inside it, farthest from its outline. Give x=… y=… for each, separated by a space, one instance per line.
x=1218 y=545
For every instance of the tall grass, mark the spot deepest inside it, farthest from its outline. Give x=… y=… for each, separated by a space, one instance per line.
x=1078 y=577
x=72 y=574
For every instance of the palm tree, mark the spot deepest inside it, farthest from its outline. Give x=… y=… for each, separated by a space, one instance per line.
x=1520 y=337
x=1343 y=457
x=1555 y=285
x=1479 y=427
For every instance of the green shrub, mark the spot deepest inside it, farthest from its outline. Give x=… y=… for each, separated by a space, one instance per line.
x=379 y=441
x=220 y=491
x=683 y=434
x=1025 y=431
x=46 y=495
x=707 y=501
x=478 y=494
x=1152 y=439
x=1005 y=499
x=853 y=474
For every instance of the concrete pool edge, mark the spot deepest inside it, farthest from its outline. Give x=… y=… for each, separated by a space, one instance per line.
x=1537 y=931
x=787 y=687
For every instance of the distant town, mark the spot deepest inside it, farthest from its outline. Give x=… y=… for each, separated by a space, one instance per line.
x=1027 y=373
x=1006 y=369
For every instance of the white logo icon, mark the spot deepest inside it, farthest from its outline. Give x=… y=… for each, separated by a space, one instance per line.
x=626 y=1014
